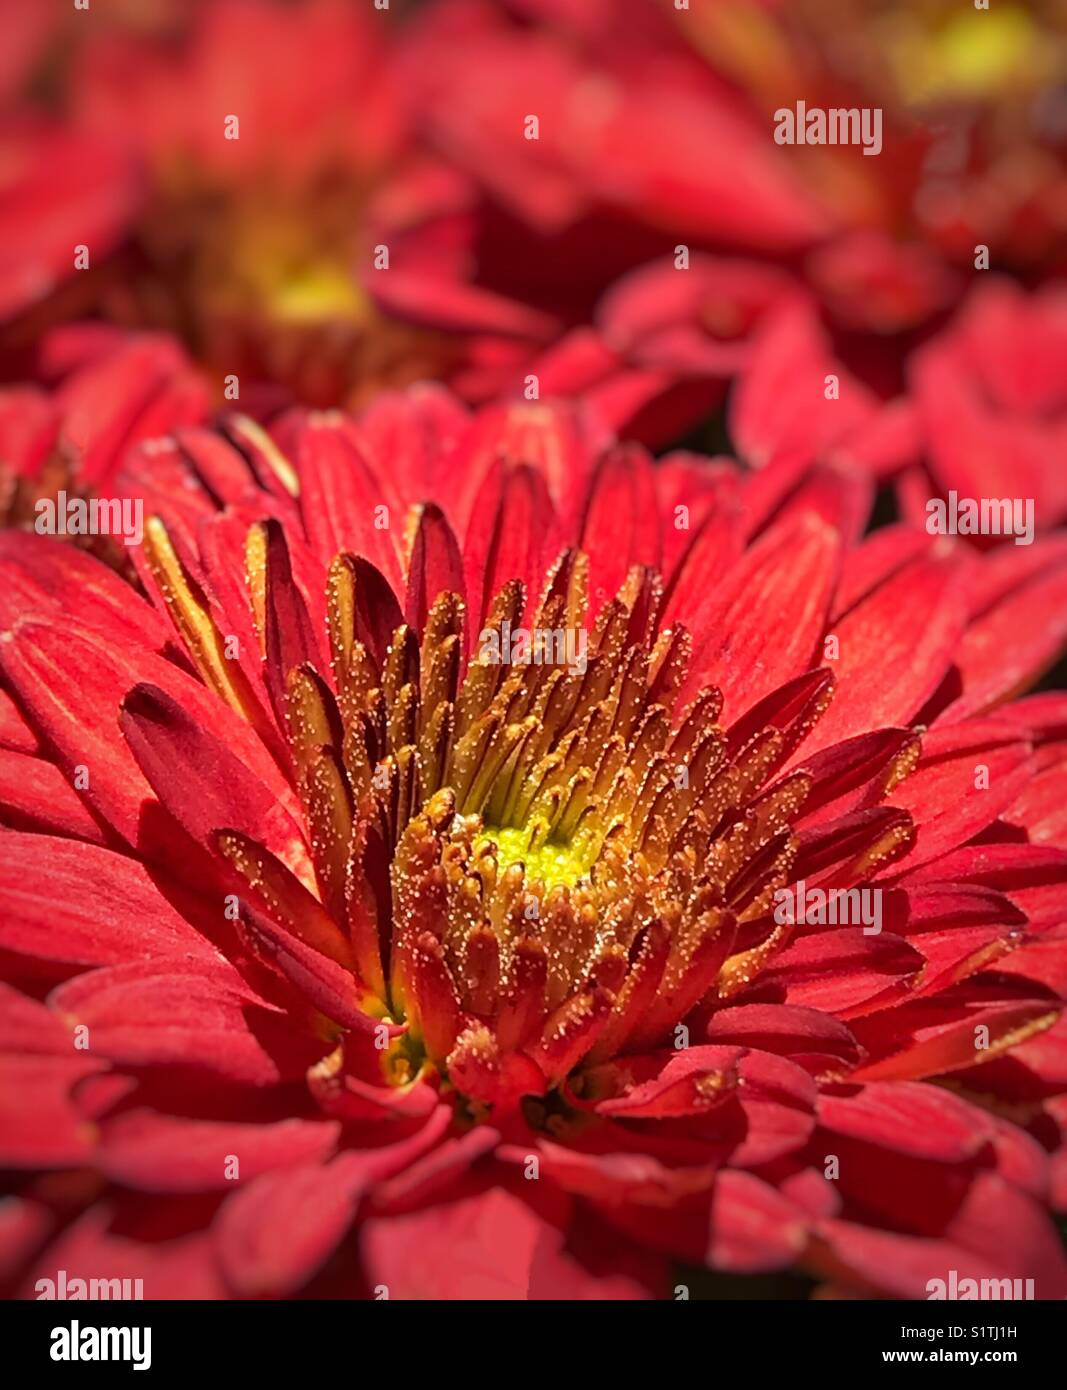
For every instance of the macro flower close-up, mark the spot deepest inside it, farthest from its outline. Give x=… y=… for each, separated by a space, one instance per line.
x=336 y=891
x=533 y=604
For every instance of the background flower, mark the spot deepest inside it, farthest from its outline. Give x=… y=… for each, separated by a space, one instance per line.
x=247 y=238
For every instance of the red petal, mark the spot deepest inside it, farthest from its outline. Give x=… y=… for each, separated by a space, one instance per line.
x=163 y=1153
x=71 y=684
x=940 y=1035
x=1032 y=876
x=1041 y=808
x=855 y=773
x=808 y=1037
x=142 y=388
x=441 y=1168
x=841 y=971
x=58 y=579
x=761 y=628
x=614 y=1167
x=291 y=636
x=339 y=497
x=909 y=1118
x=1009 y=646
x=26 y=1025
x=882 y=554
x=405 y=436
x=780 y=407
x=34 y=795
x=907 y=1266
x=202 y=783
x=687 y=1083
x=945 y=803
x=76 y=903
x=840 y=497
x=493 y=1246
x=753 y=1227
x=275 y=1234
x=708 y=543
x=510 y=536
x=620 y=527
x=895 y=647
x=330 y=986
x=778 y=1101
x=15 y=733
x=1042 y=959
x=176 y=1266
x=39 y=1125
x=143 y=1016
x=25 y=1225
x=436 y=566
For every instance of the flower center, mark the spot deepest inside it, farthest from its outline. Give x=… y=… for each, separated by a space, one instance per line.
x=554 y=863
x=573 y=873
x=270 y=288
x=534 y=865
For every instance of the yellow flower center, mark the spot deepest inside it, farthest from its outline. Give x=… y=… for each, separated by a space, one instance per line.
x=553 y=863
x=534 y=866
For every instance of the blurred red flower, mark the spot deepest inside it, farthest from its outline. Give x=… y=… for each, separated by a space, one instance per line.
x=542 y=266
x=220 y=165
x=991 y=401
x=655 y=135
x=101 y=393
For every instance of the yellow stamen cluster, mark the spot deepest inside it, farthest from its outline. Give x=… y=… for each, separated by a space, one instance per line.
x=572 y=861
x=530 y=865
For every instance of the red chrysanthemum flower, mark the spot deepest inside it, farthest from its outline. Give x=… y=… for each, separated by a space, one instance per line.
x=656 y=141
x=220 y=167
x=979 y=410
x=346 y=955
